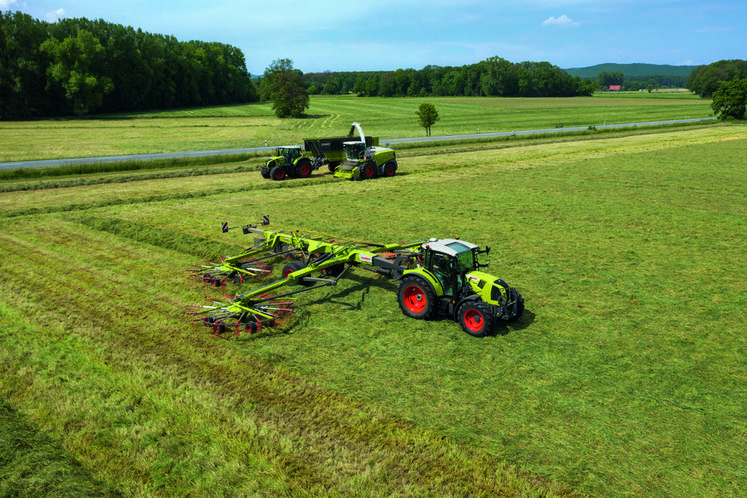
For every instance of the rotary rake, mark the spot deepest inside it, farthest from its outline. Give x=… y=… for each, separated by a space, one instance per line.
x=437 y=277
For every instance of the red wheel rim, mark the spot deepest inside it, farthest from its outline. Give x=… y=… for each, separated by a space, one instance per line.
x=474 y=320
x=368 y=171
x=414 y=299
x=279 y=174
x=305 y=169
x=390 y=170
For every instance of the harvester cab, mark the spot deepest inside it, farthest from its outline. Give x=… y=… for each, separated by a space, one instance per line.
x=363 y=161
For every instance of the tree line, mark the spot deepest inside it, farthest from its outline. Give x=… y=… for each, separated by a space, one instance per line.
x=705 y=80
x=76 y=66
x=493 y=77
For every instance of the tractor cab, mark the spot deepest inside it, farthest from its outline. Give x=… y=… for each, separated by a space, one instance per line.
x=450 y=260
x=289 y=152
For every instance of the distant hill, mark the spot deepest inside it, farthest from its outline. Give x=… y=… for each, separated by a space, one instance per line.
x=632 y=70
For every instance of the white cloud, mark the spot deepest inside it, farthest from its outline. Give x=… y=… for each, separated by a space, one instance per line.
x=563 y=22
x=54 y=16
x=5 y=4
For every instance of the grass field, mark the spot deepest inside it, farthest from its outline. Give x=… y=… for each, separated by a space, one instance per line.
x=625 y=376
x=255 y=125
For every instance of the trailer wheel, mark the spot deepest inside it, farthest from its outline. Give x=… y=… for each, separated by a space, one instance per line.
x=304 y=168
x=390 y=169
x=416 y=298
x=368 y=171
x=277 y=173
x=476 y=319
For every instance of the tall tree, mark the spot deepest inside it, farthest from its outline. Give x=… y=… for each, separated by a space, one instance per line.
x=427 y=115
x=283 y=86
x=77 y=62
x=730 y=100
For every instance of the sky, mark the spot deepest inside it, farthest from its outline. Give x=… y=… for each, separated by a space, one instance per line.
x=386 y=35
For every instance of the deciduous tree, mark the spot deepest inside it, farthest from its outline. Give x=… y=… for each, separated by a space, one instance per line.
x=282 y=85
x=730 y=100
x=76 y=68
x=428 y=115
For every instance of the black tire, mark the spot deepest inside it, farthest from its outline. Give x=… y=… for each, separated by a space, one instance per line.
x=304 y=168
x=390 y=169
x=265 y=171
x=277 y=173
x=476 y=318
x=294 y=266
x=416 y=298
x=519 y=304
x=331 y=166
x=333 y=271
x=368 y=171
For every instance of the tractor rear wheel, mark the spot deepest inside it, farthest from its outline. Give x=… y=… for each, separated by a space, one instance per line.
x=476 y=318
x=304 y=168
x=416 y=298
x=277 y=173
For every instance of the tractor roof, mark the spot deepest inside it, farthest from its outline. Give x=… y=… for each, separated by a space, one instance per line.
x=452 y=247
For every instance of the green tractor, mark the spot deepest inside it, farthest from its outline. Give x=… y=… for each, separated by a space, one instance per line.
x=363 y=161
x=437 y=278
x=289 y=161
x=448 y=282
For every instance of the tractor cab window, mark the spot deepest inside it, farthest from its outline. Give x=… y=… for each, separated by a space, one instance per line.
x=465 y=258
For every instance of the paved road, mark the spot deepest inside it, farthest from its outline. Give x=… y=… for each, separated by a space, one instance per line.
x=179 y=155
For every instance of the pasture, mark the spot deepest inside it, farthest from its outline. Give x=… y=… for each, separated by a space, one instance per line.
x=625 y=376
x=255 y=125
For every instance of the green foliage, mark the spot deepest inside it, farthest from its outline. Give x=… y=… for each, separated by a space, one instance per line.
x=705 y=80
x=494 y=77
x=427 y=115
x=730 y=100
x=635 y=71
x=77 y=63
x=283 y=86
x=132 y=70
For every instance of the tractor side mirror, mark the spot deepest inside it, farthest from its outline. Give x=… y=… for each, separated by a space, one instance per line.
x=487 y=249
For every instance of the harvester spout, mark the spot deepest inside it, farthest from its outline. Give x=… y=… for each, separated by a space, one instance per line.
x=357 y=126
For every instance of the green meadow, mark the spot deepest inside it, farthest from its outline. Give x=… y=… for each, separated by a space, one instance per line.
x=255 y=125
x=624 y=377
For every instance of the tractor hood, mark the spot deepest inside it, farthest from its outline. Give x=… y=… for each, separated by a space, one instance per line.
x=492 y=290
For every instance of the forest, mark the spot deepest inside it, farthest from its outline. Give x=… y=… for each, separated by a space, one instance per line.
x=76 y=66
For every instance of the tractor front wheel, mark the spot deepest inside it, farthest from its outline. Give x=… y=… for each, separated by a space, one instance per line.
x=277 y=173
x=416 y=298
x=476 y=319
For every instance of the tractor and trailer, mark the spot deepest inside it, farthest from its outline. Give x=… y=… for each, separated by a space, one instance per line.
x=345 y=157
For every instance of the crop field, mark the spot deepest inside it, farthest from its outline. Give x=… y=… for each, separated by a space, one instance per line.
x=624 y=377
x=255 y=125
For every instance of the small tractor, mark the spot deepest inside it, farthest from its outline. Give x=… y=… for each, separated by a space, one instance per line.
x=363 y=161
x=437 y=278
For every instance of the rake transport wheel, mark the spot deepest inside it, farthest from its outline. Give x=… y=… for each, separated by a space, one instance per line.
x=304 y=168
x=476 y=318
x=277 y=173
x=292 y=267
x=416 y=298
